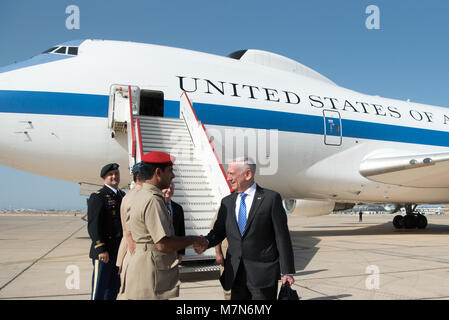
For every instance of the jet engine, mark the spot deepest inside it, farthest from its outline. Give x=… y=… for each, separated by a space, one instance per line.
x=312 y=208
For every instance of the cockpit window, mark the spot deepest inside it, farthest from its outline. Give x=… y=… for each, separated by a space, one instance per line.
x=61 y=50
x=73 y=51
x=49 y=50
x=237 y=55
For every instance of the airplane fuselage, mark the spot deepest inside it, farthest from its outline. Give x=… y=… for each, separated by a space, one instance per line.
x=54 y=117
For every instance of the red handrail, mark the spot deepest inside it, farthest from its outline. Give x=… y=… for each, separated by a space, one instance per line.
x=132 y=122
x=216 y=157
x=210 y=144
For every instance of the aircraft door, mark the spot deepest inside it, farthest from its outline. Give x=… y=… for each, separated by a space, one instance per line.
x=120 y=101
x=151 y=103
x=332 y=128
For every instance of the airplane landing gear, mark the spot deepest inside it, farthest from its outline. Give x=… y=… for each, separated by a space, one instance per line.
x=411 y=219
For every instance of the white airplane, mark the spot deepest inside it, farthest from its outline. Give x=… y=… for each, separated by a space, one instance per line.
x=73 y=108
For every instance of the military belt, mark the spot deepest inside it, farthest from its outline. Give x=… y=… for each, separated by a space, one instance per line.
x=146 y=246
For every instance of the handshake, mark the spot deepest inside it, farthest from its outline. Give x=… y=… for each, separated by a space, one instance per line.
x=200 y=244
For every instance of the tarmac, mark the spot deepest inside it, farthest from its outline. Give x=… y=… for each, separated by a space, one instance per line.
x=45 y=257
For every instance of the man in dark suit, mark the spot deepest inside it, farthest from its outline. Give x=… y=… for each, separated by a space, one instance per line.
x=105 y=230
x=255 y=224
x=177 y=215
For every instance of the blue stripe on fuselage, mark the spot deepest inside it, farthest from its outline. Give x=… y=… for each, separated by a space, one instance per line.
x=57 y=103
x=293 y=122
x=91 y=105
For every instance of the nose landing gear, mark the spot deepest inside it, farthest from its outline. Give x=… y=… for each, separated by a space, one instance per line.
x=411 y=219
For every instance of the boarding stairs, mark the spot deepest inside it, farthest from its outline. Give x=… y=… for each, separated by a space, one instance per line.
x=200 y=183
x=192 y=184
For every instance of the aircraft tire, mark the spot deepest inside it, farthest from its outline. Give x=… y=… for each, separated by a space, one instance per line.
x=398 y=222
x=410 y=221
x=421 y=221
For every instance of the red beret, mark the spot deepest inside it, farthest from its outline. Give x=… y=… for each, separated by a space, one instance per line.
x=158 y=157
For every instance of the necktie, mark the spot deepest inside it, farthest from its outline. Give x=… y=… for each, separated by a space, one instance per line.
x=169 y=210
x=242 y=214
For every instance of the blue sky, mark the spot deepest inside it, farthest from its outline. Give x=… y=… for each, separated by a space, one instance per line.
x=407 y=58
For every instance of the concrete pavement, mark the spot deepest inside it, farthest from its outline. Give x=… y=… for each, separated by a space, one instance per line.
x=336 y=257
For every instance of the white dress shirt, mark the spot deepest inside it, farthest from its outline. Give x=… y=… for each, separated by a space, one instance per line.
x=113 y=189
x=248 y=201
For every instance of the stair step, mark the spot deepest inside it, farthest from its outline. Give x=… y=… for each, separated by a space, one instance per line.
x=184 y=175
x=190 y=266
x=149 y=125
x=198 y=232
x=186 y=189
x=192 y=255
x=188 y=169
x=199 y=218
x=191 y=197
x=194 y=162
x=198 y=224
x=168 y=146
x=191 y=193
x=189 y=162
x=190 y=181
x=157 y=133
x=199 y=206
x=172 y=150
x=157 y=128
x=167 y=140
x=199 y=214
x=197 y=170
x=159 y=119
x=201 y=202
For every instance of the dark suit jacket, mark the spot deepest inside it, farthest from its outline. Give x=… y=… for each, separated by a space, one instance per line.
x=103 y=221
x=265 y=247
x=178 y=222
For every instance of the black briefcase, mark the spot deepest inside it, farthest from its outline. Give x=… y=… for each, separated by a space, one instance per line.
x=287 y=293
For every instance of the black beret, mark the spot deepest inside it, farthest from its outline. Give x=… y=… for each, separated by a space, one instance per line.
x=107 y=168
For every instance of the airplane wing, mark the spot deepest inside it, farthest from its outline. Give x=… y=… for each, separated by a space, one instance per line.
x=424 y=170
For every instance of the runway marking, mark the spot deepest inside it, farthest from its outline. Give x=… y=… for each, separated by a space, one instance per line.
x=385 y=252
x=43 y=259
x=46 y=296
x=381 y=273
x=40 y=258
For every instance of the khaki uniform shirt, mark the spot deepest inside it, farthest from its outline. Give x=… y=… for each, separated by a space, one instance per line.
x=124 y=255
x=151 y=274
x=124 y=216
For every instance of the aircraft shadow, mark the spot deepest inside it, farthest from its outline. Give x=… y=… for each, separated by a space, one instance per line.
x=372 y=229
x=305 y=241
x=305 y=244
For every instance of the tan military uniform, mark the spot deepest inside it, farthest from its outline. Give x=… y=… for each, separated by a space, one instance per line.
x=124 y=255
x=151 y=274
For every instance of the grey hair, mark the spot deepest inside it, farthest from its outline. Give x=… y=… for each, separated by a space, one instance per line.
x=246 y=163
